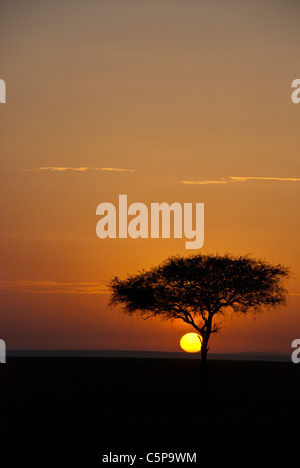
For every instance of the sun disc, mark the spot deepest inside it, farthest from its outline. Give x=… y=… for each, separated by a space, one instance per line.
x=191 y=342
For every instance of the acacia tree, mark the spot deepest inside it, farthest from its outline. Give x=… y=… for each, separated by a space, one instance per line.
x=200 y=290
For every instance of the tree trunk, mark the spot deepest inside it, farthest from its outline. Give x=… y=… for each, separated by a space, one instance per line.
x=203 y=365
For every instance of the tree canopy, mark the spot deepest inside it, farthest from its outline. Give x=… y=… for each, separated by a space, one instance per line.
x=199 y=287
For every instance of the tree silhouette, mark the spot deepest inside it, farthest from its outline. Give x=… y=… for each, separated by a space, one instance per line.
x=200 y=289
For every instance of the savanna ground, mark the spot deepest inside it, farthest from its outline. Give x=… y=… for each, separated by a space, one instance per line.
x=130 y=405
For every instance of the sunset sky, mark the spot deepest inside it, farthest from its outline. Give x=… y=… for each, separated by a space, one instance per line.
x=162 y=100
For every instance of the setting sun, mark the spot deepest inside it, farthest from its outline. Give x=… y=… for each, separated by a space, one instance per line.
x=191 y=342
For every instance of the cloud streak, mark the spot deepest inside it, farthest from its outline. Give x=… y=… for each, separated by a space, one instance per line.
x=230 y=180
x=204 y=182
x=78 y=169
x=50 y=287
x=284 y=179
x=53 y=287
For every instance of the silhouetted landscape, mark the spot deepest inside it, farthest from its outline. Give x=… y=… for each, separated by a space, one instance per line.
x=150 y=206
x=147 y=403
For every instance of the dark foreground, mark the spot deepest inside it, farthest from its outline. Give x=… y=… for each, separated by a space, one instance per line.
x=129 y=405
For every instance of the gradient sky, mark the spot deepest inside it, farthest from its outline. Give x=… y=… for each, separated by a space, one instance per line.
x=187 y=101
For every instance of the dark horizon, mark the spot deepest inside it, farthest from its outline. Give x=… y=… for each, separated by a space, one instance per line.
x=119 y=353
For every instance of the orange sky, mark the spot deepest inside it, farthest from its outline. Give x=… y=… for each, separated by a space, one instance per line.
x=186 y=96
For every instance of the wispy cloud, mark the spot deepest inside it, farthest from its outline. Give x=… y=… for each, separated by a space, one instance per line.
x=43 y=287
x=204 y=182
x=53 y=287
x=229 y=180
x=77 y=169
x=284 y=179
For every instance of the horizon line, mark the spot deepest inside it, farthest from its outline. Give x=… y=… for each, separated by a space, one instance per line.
x=106 y=353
